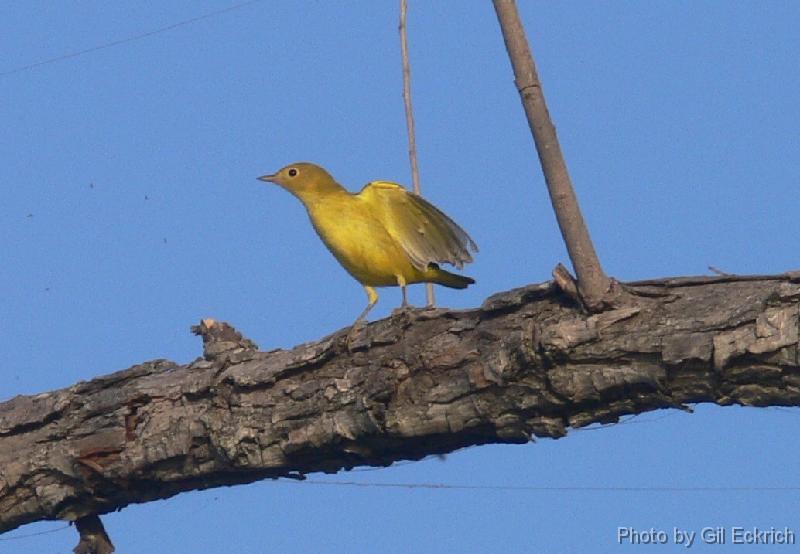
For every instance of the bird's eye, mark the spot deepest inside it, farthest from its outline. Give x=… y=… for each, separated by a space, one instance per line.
x=293 y=172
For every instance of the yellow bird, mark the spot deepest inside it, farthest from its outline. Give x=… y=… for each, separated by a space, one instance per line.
x=384 y=236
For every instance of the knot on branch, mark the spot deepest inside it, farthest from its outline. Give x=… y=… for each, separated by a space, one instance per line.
x=221 y=338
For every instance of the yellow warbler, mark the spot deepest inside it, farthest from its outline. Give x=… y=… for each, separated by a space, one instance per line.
x=383 y=236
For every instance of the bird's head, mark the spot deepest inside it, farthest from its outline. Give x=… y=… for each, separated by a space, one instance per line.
x=302 y=179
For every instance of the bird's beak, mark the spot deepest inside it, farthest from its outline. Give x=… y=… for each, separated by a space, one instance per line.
x=267 y=178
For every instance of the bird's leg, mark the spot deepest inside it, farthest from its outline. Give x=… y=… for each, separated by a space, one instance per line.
x=372 y=295
x=403 y=287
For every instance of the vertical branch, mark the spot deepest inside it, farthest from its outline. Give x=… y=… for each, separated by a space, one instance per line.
x=412 y=137
x=593 y=284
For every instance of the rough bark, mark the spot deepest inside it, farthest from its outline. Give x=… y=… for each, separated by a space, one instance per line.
x=529 y=362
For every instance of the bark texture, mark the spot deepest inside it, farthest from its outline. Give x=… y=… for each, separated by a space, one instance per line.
x=529 y=362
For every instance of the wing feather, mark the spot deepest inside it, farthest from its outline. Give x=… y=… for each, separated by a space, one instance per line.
x=425 y=233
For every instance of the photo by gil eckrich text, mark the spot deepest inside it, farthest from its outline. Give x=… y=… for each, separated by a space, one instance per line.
x=707 y=535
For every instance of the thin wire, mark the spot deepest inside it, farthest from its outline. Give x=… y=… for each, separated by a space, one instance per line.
x=634 y=419
x=513 y=488
x=443 y=486
x=128 y=39
x=790 y=411
x=34 y=534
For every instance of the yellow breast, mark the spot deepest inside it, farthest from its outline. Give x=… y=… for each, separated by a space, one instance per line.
x=352 y=232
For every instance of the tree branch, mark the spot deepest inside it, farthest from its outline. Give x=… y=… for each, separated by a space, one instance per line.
x=412 y=134
x=529 y=362
x=594 y=286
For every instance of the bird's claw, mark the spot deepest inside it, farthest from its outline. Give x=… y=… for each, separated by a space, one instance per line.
x=353 y=334
x=403 y=310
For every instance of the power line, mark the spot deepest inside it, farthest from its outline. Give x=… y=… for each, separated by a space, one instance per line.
x=533 y=488
x=57 y=529
x=128 y=39
x=513 y=488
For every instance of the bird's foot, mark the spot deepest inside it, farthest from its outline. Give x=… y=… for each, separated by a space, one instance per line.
x=403 y=310
x=354 y=334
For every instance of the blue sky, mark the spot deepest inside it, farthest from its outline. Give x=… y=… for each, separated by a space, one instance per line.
x=130 y=211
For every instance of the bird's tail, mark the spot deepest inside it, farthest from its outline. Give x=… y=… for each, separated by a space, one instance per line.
x=447 y=279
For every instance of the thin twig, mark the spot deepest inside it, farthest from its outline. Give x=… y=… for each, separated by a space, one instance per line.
x=593 y=283
x=412 y=137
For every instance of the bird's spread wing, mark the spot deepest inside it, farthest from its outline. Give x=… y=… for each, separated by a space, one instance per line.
x=426 y=234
